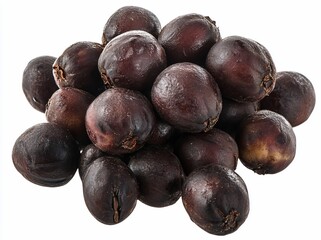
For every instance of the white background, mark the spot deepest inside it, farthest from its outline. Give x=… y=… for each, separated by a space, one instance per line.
x=283 y=206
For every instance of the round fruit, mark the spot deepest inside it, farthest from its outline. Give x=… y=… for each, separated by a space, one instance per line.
x=266 y=141
x=77 y=67
x=110 y=190
x=243 y=69
x=46 y=154
x=188 y=38
x=293 y=97
x=67 y=107
x=132 y=60
x=120 y=121
x=130 y=18
x=212 y=147
x=186 y=96
x=216 y=199
x=38 y=83
x=159 y=174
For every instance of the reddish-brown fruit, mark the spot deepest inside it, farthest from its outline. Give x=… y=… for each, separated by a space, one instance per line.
x=186 y=96
x=120 y=121
x=293 y=97
x=77 y=67
x=216 y=199
x=159 y=174
x=46 y=154
x=243 y=69
x=132 y=60
x=212 y=147
x=67 y=107
x=110 y=190
x=188 y=38
x=130 y=18
x=38 y=83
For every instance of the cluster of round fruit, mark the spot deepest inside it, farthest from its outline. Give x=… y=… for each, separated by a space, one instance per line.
x=155 y=114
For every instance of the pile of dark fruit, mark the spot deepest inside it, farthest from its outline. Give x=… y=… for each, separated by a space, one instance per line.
x=155 y=114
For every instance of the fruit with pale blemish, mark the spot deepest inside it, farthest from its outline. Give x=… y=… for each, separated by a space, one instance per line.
x=216 y=199
x=293 y=97
x=242 y=67
x=119 y=121
x=110 y=190
x=266 y=141
x=186 y=96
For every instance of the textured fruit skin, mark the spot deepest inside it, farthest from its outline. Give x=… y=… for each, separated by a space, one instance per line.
x=38 y=83
x=186 y=96
x=216 y=199
x=110 y=190
x=46 y=154
x=293 y=97
x=67 y=107
x=159 y=174
x=130 y=18
x=266 y=141
x=77 y=67
x=188 y=38
x=119 y=121
x=212 y=147
x=132 y=60
x=243 y=69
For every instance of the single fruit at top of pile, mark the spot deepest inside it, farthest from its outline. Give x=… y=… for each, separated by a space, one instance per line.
x=188 y=38
x=130 y=18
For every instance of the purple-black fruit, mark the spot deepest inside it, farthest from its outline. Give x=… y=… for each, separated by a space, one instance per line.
x=110 y=190
x=200 y=149
x=120 y=121
x=67 y=107
x=188 y=38
x=233 y=113
x=77 y=67
x=159 y=175
x=46 y=154
x=186 y=96
x=88 y=155
x=130 y=18
x=243 y=69
x=38 y=83
x=132 y=60
x=293 y=97
x=216 y=199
